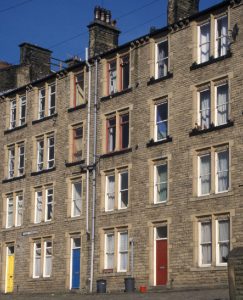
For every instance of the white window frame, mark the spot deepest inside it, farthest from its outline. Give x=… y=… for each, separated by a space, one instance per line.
x=200 y=244
x=40 y=163
x=19 y=208
x=156 y=201
x=199 y=173
x=124 y=190
x=46 y=247
x=218 y=263
x=217 y=38
x=38 y=197
x=156 y=124
x=107 y=192
x=50 y=94
x=122 y=252
x=109 y=253
x=10 y=197
x=216 y=170
x=164 y=59
x=74 y=200
x=11 y=162
x=50 y=161
x=20 y=155
x=42 y=100
x=216 y=103
x=34 y=258
x=199 y=46
x=22 y=101
x=49 y=195
x=13 y=114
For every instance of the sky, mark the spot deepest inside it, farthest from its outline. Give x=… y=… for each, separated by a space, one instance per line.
x=61 y=25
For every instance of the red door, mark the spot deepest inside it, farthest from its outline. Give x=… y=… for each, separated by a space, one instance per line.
x=161 y=262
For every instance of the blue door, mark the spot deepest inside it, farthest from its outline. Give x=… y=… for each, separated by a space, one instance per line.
x=76 y=269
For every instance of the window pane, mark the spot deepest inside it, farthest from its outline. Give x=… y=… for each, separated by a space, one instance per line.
x=123 y=250
x=162 y=60
x=161 y=232
x=222 y=36
x=223 y=240
x=162 y=121
x=205 y=174
x=110 y=192
x=42 y=95
x=48 y=259
x=38 y=208
x=112 y=81
x=79 y=88
x=13 y=112
x=222 y=104
x=124 y=190
x=223 y=171
x=77 y=199
x=19 y=207
x=37 y=259
x=49 y=205
x=111 y=128
x=125 y=72
x=205 y=118
x=124 y=131
x=77 y=143
x=10 y=220
x=206 y=242
x=109 y=263
x=51 y=152
x=161 y=183
x=204 y=42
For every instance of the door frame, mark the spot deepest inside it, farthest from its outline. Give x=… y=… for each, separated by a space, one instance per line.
x=71 y=259
x=6 y=266
x=155 y=252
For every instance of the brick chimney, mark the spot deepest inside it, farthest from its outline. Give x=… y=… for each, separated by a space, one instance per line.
x=37 y=58
x=103 y=34
x=180 y=9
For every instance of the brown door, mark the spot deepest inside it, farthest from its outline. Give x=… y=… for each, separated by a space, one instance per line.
x=161 y=262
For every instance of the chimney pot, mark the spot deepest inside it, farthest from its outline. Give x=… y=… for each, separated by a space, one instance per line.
x=180 y=9
x=102 y=15
x=108 y=16
x=97 y=13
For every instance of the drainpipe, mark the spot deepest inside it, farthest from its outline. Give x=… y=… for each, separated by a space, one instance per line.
x=94 y=181
x=88 y=144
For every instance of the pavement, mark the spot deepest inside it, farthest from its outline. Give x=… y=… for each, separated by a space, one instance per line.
x=206 y=294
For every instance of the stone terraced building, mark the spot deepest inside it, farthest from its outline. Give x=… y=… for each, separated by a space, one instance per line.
x=128 y=164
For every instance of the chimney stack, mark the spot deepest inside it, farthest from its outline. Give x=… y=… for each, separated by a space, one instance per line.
x=103 y=34
x=180 y=9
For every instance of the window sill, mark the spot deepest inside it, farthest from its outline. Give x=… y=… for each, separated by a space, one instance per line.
x=40 y=279
x=152 y=143
x=115 y=211
x=108 y=273
x=155 y=205
x=13 y=179
x=44 y=119
x=211 y=268
x=71 y=109
x=211 y=60
x=73 y=219
x=196 y=131
x=152 y=80
x=43 y=223
x=12 y=228
x=74 y=163
x=212 y=196
x=116 y=94
x=43 y=171
x=15 y=128
x=114 y=153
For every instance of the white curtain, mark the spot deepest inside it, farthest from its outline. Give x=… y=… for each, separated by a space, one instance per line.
x=113 y=84
x=39 y=207
x=77 y=198
x=205 y=42
x=10 y=212
x=205 y=172
x=161 y=183
x=222 y=32
x=48 y=259
x=110 y=251
x=222 y=104
x=223 y=171
x=206 y=243
x=162 y=59
x=223 y=240
x=123 y=250
x=205 y=109
x=110 y=192
x=37 y=260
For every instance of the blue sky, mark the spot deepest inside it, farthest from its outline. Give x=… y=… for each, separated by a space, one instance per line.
x=60 y=25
